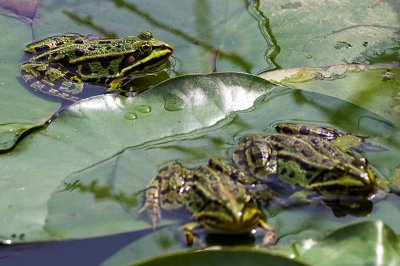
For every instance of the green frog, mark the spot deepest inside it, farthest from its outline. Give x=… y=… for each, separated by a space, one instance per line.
x=218 y=202
x=60 y=65
x=225 y=197
x=306 y=158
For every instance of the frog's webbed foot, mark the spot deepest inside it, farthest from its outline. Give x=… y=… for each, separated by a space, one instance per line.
x=152 y=206
x=51 y=80
x=270 y=237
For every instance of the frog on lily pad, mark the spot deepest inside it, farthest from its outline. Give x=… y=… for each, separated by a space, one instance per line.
x=61 y=65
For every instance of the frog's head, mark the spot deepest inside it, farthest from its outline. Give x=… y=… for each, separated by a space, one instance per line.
x=235 y=215
x=147 y=54
x=252 y=154
x=353 y=180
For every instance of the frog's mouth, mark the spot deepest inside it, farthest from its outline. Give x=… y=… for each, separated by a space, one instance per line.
x=228 y=223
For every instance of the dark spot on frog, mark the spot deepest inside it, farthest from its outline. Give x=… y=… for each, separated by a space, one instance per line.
x=108 y=47
x=86 y=70
x=304 y=130
x=307 y=153
x=42 y=48
x=328 y=148
x=92 y=48
x=325 y=161
x=308 y=175
x=287 y=130
x=283 y=171
x=256 y=157
x=105 y=63
x=292 y=174
x=79 y=52
x=78 y=41
x=102 y=80
x=104 y=41
x=215 y=166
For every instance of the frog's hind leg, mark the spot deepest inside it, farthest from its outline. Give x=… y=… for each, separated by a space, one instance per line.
x=165 y=191
x=54 y=42
x=51 y=80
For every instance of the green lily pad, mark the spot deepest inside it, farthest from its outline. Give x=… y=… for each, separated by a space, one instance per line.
x=115 y=125
x=367 y=243
x=374 y=88
x=198 y=46
x=20 y=110
x=314 y=33
x=363 y=243
x=235 y=257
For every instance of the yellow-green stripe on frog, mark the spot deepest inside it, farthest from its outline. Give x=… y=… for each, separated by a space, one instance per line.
x=60 y=65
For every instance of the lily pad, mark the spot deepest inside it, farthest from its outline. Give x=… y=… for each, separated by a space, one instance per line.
x=114 y=124
x=374 y=88
x=235 y=257
x=198 y=46
x=20 y=110
x=367 y=243
x=314 y=33
x=363 y=243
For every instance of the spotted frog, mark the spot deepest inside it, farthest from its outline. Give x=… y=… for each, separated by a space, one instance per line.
x=60 y=65
x=225 y=197
x=307 y=158
x=215 y=194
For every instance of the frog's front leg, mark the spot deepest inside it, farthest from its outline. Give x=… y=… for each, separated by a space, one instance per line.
x=51 y=80
x=166 y=191
x=188 y=230
x=270 y=237
x=116 y=84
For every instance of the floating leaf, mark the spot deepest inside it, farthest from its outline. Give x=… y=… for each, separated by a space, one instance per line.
x=92 y=135
x=374 y=88
x=367 y=243
x=20 y=110
x=234 y=257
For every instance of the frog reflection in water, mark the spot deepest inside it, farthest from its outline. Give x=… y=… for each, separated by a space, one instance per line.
x=61 y=64
x=225 y=197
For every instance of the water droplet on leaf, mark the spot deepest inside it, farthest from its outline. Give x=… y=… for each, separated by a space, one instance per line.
x=130 y=116
x=143 y=108
x=342 y=45
x=173 y=103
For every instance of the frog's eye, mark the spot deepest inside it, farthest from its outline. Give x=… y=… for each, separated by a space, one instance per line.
x=146 y=35
x=145 y=48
